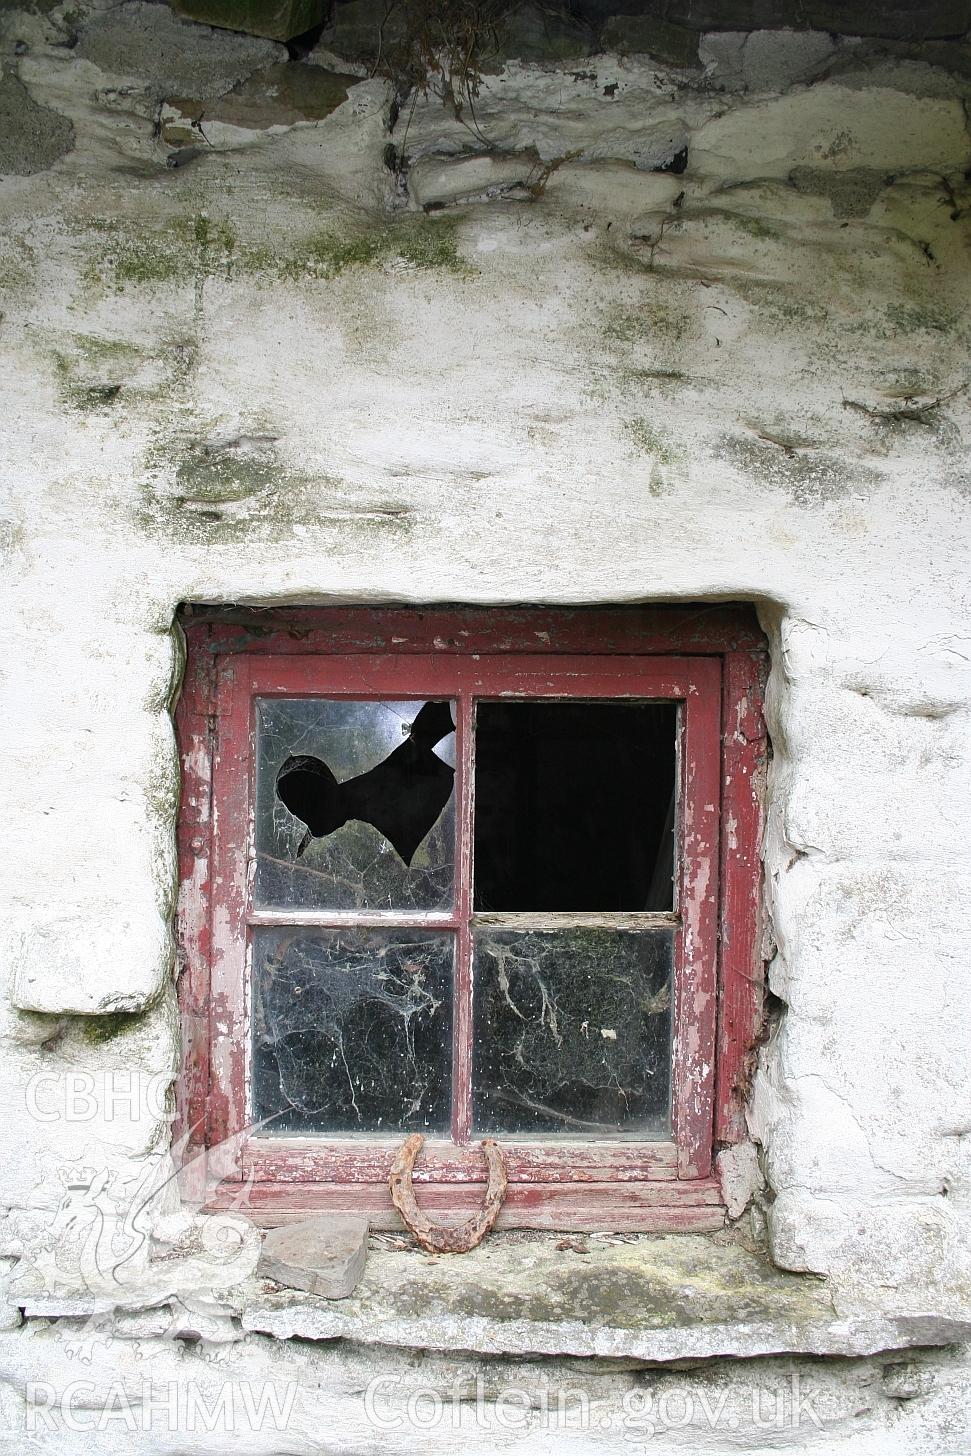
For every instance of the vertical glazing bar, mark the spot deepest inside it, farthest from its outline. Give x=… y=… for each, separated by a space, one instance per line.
x=462 y=1008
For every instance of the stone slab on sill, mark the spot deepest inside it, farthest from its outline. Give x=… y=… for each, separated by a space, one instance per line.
x=647 y=1297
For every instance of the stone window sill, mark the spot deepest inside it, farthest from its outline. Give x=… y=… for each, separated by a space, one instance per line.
x=642 y=1297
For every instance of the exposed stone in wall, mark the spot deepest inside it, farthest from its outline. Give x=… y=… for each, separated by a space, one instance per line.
x=926 y=18
x=764 y=60
x=278 y=19
x=147 y=42
x=279 y=96
x=32 y=137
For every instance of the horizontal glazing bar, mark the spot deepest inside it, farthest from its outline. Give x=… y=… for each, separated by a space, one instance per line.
x=495 y=920
x=337 y=919
x=576 y=920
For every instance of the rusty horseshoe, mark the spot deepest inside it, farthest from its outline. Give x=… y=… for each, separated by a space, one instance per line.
x=443 y=1238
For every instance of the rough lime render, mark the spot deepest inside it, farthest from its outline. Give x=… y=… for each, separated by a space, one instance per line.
x=291 y=355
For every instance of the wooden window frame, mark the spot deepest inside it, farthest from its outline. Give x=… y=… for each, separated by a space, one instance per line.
x=712 y=660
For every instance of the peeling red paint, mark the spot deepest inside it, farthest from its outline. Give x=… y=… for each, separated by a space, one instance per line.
x=741 y=970
x=514 y=653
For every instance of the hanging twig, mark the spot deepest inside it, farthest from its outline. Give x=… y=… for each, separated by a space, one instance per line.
x=910 y=411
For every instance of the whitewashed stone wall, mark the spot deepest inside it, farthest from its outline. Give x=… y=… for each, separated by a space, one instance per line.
x=266 y=375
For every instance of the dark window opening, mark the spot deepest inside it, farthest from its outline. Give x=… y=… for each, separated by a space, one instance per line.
x=574 y=806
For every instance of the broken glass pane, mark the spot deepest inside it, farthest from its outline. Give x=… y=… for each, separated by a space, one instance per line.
x=572 y=1032
x=574 y=805
x=352 y=1030
x=354 y=804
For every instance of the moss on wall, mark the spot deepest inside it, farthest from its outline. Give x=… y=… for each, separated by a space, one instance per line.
x=91 y=370
x=100 y=1029
x=649 y=439
x=120 y=254
x=217 y=491
x=809 y=477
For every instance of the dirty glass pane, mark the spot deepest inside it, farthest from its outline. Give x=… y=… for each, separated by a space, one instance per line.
x=352 y=1030
x=354 y=804
x=572 y=1033
x=574 y=806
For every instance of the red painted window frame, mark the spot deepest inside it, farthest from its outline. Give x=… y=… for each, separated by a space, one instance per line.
x=711 y=659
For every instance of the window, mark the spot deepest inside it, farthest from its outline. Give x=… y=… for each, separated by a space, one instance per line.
x=471 y=874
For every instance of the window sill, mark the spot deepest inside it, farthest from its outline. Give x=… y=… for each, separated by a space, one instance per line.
x=642 y=1297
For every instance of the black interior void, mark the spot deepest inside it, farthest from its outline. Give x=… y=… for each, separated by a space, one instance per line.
x=574 y=806
x=402 y=796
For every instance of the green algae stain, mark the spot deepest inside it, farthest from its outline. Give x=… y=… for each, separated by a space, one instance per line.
x=416 y=244
x=18 y=266
x=226 y=491
x=179 y=252
x=95 y=374
x=99 y=1029
x=647 y=439
x=190 y=250
x=91 y=371
x=810 y=477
